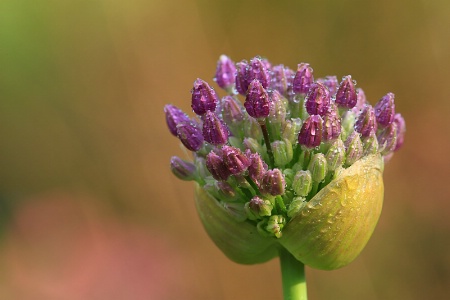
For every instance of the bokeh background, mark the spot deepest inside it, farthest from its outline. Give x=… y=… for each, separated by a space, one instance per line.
x=88 y=206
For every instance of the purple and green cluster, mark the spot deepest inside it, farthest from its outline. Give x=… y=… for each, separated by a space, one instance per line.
x=277 y=137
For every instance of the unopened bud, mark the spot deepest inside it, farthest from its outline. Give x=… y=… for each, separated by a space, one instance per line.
x=252 y=145
x=302 y=183
x=303 y=79
x=242 y=77
x=318 y=167
x=225 y=72
x=184 y=170
x=273 y=183
x=258 y=70
x=282 y=152
x=385 y=110
x=296 y=206
x=257 y=102
x=236 y=161
x=204 y=98
x=317 y=101
x=232 y=110
x=275 y=224
x=258 y=208
x=190 y=135
x=370 y=144
x=387 y=139
x=353 y=148
x=330 y=82
x=215 y=131
x=174 y=116
x=216 y=166
x=290 y=129
x=335 y=155
x=346 y=93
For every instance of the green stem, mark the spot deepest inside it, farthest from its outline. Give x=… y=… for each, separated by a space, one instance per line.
x=293 y=277
x=267 y=142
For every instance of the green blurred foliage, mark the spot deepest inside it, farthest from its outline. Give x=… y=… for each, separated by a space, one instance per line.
x=82 y=88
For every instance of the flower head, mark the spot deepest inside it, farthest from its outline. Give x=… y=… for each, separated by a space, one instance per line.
x=288 y=163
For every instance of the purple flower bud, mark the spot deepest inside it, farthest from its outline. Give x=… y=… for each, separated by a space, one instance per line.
x=236 y=161
x=303 y=79
x=366 y=121
x=330 y=82
x=204 y=98
x=184 y=170
x=231 y=110
x=257 y=208
x=361 y=100
x=353 y=148
x=317 y=101
x=387 y=139
x=281 y=77
x=190 y=135
x=225 y=72
x=401 y=129
x=242 y=77
x=346 y=93
x=310 y=135
x=257 y=168
x=331 y=124
x=385 y=110
x=214 y=129
x=226 y=190
x=273 y=183
x=174 y=116
x=258 y=70
x=257 y=102
x=217 y=167
x=266 y=64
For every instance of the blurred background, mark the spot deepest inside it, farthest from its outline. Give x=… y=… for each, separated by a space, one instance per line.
x=88 y=206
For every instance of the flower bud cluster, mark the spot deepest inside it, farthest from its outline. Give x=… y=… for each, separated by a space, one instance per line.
x=277 y=137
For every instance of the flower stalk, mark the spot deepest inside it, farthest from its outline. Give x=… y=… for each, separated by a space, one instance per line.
x=292 y=276
x=292 y=170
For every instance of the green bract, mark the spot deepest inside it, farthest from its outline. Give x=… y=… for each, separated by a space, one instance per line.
x=328 y=233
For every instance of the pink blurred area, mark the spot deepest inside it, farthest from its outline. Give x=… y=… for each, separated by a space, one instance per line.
x=58 y=247
x=88 y=206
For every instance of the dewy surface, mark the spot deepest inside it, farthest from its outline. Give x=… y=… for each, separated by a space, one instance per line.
x=284 y=160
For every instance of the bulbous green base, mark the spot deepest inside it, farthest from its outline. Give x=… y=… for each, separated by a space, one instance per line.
x=328 y=233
